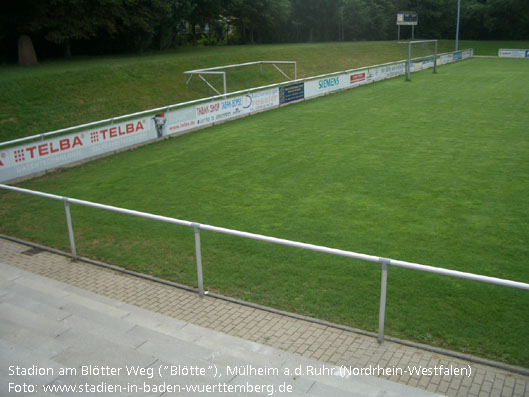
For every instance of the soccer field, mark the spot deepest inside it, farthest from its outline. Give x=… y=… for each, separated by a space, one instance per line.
x=433 y=171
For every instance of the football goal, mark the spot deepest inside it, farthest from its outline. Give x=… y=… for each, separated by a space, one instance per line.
x=221 y=71
x=420 y=54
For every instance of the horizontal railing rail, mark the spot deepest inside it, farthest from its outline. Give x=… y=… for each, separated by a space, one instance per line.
x=167 y=108
x=384 y=262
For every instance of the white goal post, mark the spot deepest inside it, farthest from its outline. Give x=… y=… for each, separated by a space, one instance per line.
x=409 y=58
x=219 y=70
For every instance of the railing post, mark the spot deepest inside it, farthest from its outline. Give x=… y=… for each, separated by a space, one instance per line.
x=383 y=289
x=70 y=228
x=196 y=228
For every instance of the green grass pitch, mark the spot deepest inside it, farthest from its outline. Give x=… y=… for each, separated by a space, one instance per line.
x=433 y=171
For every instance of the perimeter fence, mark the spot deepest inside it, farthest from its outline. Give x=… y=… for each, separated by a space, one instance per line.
x=36 y=154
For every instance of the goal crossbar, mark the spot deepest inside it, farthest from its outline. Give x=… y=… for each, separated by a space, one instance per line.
x=217 y=70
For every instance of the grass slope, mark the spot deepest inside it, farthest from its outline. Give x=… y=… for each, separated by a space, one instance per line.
x=434 y=171
x=65 y=93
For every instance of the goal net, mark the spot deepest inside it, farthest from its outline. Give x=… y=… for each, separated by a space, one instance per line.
x=419 y=54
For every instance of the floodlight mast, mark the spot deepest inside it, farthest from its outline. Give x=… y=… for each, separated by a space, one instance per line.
x=458 y=20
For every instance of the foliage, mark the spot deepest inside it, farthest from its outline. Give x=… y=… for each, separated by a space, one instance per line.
x=110 y=26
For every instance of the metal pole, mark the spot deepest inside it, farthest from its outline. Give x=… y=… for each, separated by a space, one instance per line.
x=435 y=58
x=224 y=79
x=458 y=20
x=189 y=79
x=70 y=228
x=398 y=32
x=383 y=290
x=196 y=227
x=413 y=32
x=280 y=71
x=341 y=23
x=408 y=77
x=211 y=86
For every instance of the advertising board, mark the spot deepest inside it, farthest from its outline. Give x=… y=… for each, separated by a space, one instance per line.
x=427 y=63
x=468 y=54
x=23 y=160
x=194 y=116
x=446 y=58
x=217 y=111
x=407 y=18
x=291 y=93
x=180 y=120
x=387 y=71
x=513 y=53
x=263 y=100
x=325 y=85
x=358 y=78
x=416 y=66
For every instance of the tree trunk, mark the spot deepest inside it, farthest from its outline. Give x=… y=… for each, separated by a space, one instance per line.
x=194 y=34
x=243 y=34
x=67 y=48
x=26 y=52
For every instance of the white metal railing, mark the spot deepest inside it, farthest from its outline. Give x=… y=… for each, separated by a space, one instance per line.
x=384 y=262
x=193 y=102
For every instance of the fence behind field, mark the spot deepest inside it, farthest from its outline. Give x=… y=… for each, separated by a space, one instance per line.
x=39 y=153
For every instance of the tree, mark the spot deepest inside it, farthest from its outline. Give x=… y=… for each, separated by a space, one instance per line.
x=356 y=19
x=137 y=22
x=15 y=19
x=125 y=25
x=171 y=22
x=257 y=19
x=508 y=19
x=316 y=20
x=61 y=21
x=64 y=21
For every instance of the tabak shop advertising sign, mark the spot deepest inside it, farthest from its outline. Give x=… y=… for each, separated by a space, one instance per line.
x=39 y=156
x=208 y=113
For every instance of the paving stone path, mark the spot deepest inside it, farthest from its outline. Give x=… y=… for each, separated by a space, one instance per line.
x=303 y=338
